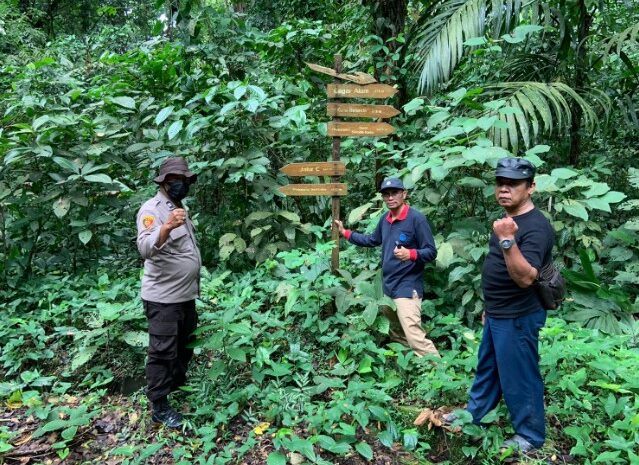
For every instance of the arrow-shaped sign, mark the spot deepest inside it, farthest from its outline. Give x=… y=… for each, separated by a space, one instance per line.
x=328 y=168
x=295 y=190
x=358 y=77
x=354 y=91
x=340 y=129
x=363 y=111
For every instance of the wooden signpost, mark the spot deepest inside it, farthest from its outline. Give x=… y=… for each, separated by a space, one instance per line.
x=328 y=168
x=361 y=111
x=357 y=77
x=359 y=129
x=332 y=189
x=365 y=87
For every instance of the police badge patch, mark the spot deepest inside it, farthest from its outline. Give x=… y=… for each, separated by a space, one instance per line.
x=148 y=220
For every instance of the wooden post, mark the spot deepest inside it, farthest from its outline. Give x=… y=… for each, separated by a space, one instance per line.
x=337 y=142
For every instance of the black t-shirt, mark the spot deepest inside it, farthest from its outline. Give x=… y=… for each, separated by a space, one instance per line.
x=503 y=297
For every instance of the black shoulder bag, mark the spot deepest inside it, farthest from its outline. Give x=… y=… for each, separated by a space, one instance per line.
x=551 y=286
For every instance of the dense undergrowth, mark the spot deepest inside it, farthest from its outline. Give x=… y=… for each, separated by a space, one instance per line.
x=275 y=355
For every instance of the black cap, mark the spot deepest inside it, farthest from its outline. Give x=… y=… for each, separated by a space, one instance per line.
x=514 y=168
x=391 y=183
x=175 y=165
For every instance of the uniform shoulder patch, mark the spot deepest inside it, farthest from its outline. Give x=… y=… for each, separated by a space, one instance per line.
x=148 y=220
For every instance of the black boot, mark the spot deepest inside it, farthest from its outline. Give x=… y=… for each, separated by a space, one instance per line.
x=163 y=413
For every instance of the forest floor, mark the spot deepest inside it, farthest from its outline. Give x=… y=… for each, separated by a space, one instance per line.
x=121 y=428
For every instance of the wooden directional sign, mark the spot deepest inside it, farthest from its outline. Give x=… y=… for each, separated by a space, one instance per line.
x=351 y=129
x=314 y=189
x=357 y=77
x=355 y=91
x=364 y=111
x=329 y=168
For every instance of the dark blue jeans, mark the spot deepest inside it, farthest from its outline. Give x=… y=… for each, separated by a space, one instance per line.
x=508 y=365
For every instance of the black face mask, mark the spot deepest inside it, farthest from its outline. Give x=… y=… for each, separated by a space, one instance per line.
x=177 y=190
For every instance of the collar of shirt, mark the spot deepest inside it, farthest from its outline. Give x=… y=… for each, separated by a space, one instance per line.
x=403 y=213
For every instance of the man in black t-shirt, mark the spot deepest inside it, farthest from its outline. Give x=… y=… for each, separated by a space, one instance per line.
x=508 y=361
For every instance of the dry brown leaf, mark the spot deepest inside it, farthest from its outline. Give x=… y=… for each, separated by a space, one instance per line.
x=23 y=440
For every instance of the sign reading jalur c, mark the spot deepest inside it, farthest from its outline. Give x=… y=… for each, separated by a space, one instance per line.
x=333 y=189
x=324 y=168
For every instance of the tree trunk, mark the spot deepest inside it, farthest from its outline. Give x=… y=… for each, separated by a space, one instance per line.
x=389 y=17
x=581 y=75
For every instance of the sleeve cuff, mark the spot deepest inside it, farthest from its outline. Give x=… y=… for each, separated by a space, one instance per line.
x=347 y=234
x=413 y=254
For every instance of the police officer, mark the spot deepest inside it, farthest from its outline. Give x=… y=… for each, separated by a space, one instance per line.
x=407 y=245
x=508 y=361
x=170 y=285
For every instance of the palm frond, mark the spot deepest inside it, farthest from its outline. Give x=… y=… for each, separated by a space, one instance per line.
x=440 y=42
x=443 y=29
x=533 y=102
x=616 y=43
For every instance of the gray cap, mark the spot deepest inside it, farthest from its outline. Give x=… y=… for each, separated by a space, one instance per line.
x=514 y=168
x=175 y=165
x=391 y=183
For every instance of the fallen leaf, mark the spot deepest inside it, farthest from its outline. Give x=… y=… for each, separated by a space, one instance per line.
x=261 y=428
x=295 y=458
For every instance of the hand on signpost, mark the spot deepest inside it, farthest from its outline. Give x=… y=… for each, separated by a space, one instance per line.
x=340 y=226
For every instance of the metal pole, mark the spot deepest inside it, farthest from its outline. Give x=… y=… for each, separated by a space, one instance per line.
x=337 y=142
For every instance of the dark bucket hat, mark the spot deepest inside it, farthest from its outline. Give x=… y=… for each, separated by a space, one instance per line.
x=175 y=165
x=514 y=168
x=391 y=183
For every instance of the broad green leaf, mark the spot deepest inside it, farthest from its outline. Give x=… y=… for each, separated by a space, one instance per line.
x=61 y=206
x=370 y=313
x=538 y=149
x=445 y=255
x=290 y=216
x=475 y=41
x=574 y=208
x=136 y=338
x=563 y=173
x=69 y=433
x=102 y=178
x=614 y=197
x=236 y=354
x=85 y=236
x=598 y=203
x=364 y=450
x=174 y=129
x=83 y=355
x=67 y=164
x=40 y=121
x=126 y=102
x=597 y=189
x=437 y=118
x=414 y=105
x=357 y=214
x=276 y=458
x=163 y=115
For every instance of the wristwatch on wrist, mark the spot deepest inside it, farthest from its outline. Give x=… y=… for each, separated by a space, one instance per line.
x=506 y=243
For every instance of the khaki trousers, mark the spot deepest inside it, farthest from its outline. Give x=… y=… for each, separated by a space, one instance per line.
x=406 y=326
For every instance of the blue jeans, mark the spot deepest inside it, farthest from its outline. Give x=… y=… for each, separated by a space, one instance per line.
x=508 y=365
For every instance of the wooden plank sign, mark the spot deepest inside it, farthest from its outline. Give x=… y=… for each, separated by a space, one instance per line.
x=355 y=91
x=357 y=77
x=314 y=189
x=364 y=111
x=329 y=168
x=354 y=129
